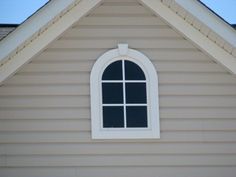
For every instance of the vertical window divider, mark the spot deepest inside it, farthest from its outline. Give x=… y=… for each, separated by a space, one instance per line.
x=124 y=93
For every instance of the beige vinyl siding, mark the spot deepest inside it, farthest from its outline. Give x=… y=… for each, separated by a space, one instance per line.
x=45 y=107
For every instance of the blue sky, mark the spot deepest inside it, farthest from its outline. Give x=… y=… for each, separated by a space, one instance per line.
x=16 y=11
x=224 y=8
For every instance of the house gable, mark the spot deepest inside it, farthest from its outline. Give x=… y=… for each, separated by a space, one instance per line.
x=45 y=108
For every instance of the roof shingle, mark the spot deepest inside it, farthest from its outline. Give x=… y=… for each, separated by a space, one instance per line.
x=5 y=29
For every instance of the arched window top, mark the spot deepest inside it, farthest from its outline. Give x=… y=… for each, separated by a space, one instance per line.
x=113 y=71
x=123 y=69
x=124 y=96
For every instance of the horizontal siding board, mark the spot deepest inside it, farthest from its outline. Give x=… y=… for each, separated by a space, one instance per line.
x=121 y=148
x=167 y=171
x=83 y=78
x=44 y=125
x=121 y=160
x=85 y=137
x=200 y=101
x=123 y=27
x=84 y=125
x=122 y=3
x=45 y=90
x=176 y=55
x=120 y=9
x=133 y=43
x=83 y=89
x=195 y=78
x=45 y=101
x=83 y=101
x=120 y=32
x=119 y=1
x=57 y=67
x=39 y=172
x=71 y=55
x=197 y=90
x=84 y=113
x=204 y=112
x=45 y=78
x=188 y=67
x=198 y=125
x=118 y=21
x=161 y=66
x=44 y=113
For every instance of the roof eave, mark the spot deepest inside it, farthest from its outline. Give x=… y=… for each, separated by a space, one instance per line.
x=38 y=31
x=31 y=26
x=210 y=19
x=210 y=47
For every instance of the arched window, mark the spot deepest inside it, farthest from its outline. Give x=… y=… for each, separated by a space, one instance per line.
x=124 y=96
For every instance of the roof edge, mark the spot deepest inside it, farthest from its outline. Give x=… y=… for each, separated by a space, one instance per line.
x=44 y=36
x=8 y=25
x=27 y=29
x=210 y=19
x=190 y=32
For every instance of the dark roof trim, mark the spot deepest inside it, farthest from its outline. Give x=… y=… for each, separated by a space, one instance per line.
x=8 y=25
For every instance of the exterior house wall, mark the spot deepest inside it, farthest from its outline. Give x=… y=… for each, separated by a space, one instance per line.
x=45 y=108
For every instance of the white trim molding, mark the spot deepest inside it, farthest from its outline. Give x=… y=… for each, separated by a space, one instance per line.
x=124 y=53
x=31 y=26
x=63 y=19
x=200 y=40
x=209 y=19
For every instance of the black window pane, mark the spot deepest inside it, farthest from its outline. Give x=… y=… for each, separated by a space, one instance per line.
x=133 y=71
x=136 y=116
x=113 y=71
x=135 y=93
x=112 y=93
x=113 y=117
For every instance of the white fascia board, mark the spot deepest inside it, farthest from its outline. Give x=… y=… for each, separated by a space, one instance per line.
x=27 y=29
x=200 y=40
x=209 y=19
x=40 y=42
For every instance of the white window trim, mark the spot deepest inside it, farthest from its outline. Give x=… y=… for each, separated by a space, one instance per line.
x=123 y=52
